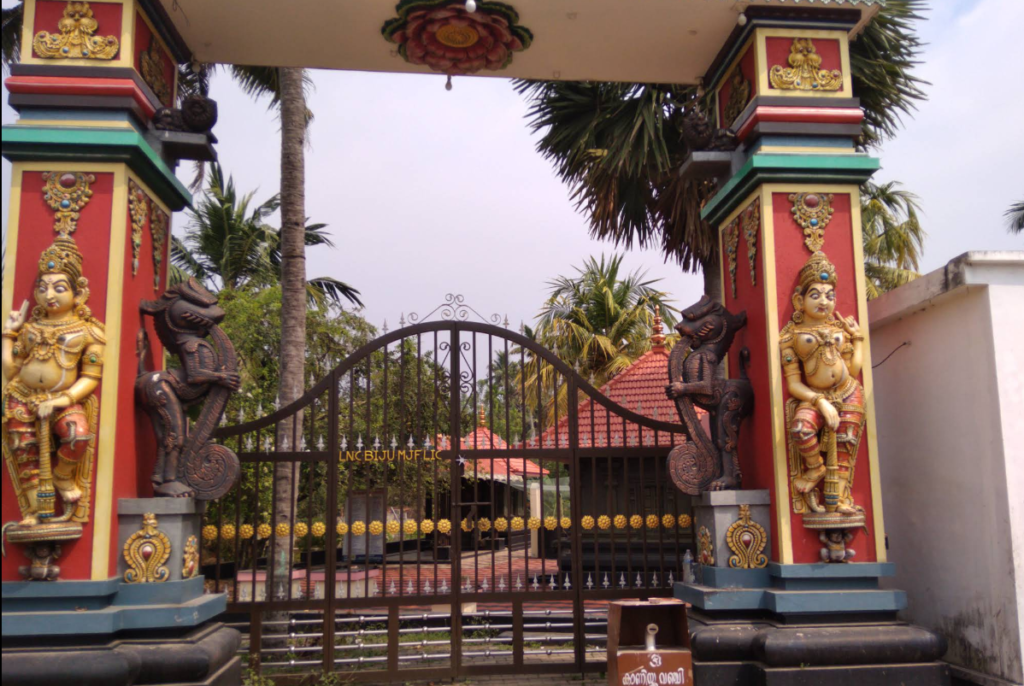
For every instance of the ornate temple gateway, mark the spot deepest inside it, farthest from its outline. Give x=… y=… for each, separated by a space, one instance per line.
x=491 y=558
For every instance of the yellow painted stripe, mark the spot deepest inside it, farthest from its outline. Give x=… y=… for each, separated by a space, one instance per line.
x=869 y=381
x=74 y=124
x=800 y=150
x=106 y=452
x=10 y=259
x=780 y=450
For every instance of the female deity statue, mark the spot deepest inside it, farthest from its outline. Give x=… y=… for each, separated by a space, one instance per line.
x=54 y=360
x=822 y=356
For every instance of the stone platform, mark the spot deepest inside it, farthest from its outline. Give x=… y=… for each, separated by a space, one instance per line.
x=804 y=625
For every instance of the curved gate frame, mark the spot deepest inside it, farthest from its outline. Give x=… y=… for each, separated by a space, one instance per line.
x=460 y=375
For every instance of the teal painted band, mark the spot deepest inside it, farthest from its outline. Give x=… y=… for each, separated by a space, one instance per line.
x=788 y=168
x=35 y=144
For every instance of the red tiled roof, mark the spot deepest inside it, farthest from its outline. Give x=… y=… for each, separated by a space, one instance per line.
x=484 y=439
x=639 y=389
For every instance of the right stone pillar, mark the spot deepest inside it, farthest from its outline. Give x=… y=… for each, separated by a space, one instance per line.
x=790 y=230
x=788 y=217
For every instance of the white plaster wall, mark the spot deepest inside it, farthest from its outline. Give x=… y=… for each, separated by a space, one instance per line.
x=950 y=411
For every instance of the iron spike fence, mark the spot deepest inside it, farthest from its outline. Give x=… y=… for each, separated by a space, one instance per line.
x=463 y=504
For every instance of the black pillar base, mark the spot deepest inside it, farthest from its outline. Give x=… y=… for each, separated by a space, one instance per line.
x=206 y=656
x=764 y=651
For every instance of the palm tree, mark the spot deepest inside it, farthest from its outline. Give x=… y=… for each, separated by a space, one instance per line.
x=1016 y=218
x=893 y=236
x=227 y=245
x=598 y=321
x=10 y=21
x=618 y=146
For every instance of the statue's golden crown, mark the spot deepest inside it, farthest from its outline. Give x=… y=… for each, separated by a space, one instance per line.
x=818 y=269
x=62 y=257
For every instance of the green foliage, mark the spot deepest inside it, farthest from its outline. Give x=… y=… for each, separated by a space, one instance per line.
x=11 y=25
x=253 y=678
x=893 y=236
x=882 y=60
x=228 y=244
x=1015 y=217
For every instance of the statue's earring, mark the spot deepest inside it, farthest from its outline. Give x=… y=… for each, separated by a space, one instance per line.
x=798 y=312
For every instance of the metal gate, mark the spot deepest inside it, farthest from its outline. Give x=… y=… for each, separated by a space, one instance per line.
x=462 y=504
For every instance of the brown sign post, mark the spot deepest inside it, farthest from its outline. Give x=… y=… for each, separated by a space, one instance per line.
x=649 y=643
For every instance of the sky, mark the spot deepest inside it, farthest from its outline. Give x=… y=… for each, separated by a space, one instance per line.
x=428 y=192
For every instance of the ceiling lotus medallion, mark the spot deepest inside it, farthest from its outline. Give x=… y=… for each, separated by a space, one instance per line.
x=444 y=36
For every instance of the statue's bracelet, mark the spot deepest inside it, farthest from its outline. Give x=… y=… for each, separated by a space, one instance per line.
x=11 y=334
x=820 y=396
x=856 y=338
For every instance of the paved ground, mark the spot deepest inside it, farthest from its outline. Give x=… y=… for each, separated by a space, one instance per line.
x=526 y=680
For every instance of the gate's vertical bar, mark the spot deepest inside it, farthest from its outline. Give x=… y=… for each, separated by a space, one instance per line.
x=394 y=639
x=508 y=514
x=331 y=580
x=455 y=424
x=350 y=468
x=518 y=634
x=256 y=641
x=436 y=438
x=576 y=506
x=401 y=468
x=386 y=467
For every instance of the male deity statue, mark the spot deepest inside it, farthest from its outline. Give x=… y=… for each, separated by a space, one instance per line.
x=822 y=356
x=54 y=360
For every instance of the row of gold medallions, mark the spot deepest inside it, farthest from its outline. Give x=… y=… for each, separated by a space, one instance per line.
x=410 y=527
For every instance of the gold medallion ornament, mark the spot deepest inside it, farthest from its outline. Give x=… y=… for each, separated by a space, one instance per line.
x=67 y=194
x=732 y=245
x=805 y=72
x=158 y=222
x=747 y=540
x=739 y=96
x=76 y=39
x=705 y=548
x=138 y=208
x=751 y=220
x=813 y=213
x=190 y=559
x=146 y=552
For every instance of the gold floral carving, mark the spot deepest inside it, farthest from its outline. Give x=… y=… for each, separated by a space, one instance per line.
x=705 y=548
x=138 y=208
x=732 y=244
x=76 y=39
x=747 y=540
x=190 y=560
x=158 y=222
x=739 y=96
x=804 y=72
x=813 y=212
x=146 y=553
x=67 y=194
x=751 y=220
x=153 y=64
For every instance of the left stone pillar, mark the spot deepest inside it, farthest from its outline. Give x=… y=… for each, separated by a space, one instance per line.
x=89 y=170
x=93 y=191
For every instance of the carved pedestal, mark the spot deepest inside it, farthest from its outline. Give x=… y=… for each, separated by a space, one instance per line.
x=179 y=520
x=732 y=537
